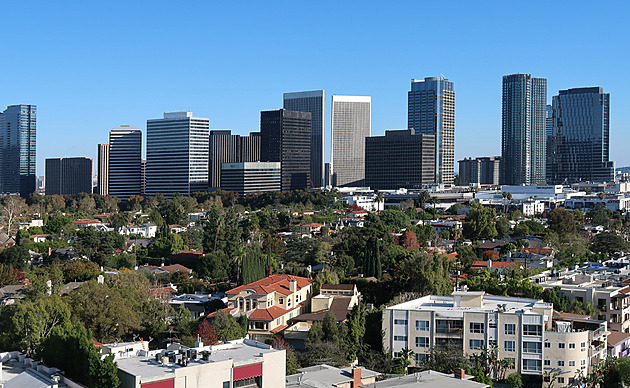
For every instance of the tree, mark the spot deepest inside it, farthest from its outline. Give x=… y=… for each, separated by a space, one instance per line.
x=226 y=326
x=292 y=362
x=480 y=223
x=356 y=332
x=514 y=380
x=561 y=221
x=409 y=240
x=608 y=243
x=12 y=207
x=423 y=198
x=16 y=257
x=207 y=333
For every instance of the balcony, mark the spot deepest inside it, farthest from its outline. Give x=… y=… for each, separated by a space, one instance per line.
x=456 y=331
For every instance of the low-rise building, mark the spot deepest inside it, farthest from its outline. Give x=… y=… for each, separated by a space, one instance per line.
x=240 y=363
x=429 y=379
x=19 y=371
x=325 y=376
x=618 y=344
x=147 y=230
x=523 y=330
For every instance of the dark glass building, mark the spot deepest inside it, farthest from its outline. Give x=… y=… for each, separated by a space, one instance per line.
x=523 y=140
x=18 y=125
x=400 y=159
x=579 y=140
x=227 y=148
x=125 y=162
x=286 y=138
x=483 y=171
x=68 y=176
x=250 y=177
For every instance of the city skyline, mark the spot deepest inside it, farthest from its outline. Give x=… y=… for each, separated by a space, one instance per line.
x=96 y=79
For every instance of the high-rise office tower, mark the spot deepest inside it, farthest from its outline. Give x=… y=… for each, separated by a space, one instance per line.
x=102 y=169
x=125 y=158
x=314 y=102
x=68 y=176
x=431 y=111
x=143 y=177
x=483 y=171
x=18 y=125
x=351 y=124
x=400 y=159
x=177 y=154
x=223 y=148
x=580 y=137
x=286 y=138
x=523 y=140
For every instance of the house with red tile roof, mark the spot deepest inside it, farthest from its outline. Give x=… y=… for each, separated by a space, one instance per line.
x=166 y=269
x=494 y=266
x=271 y=302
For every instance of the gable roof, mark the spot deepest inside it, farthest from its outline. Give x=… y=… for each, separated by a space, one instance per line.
x=174 y=268
x=279 y=283
x=271 y=313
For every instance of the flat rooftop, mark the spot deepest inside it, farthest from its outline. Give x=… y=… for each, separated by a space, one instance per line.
x=490 y=303
x=325 y=375
x=427 y=379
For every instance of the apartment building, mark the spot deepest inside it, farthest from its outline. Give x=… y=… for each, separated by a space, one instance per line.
x=599 y=283
x=270 y=303
x=523 y=330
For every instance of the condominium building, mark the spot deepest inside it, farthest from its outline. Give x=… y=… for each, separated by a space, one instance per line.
x=102 y=170
x=177 y=154
x=351 y=125
x=315 y=103
x=482 y=171
x=431 y=111
x=579 y=139
x=523 y=139
x=286 y=138
x=238 y=363
x=125 y=155
x=251 y=177
x=18 y=128
x=68 y=176
x=400 y=159
x=523 y=330
x=269 y=303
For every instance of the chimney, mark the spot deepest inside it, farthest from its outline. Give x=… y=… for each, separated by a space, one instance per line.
x=356 y=377
x=460 y=374
x=293 y=285
x=489 y=263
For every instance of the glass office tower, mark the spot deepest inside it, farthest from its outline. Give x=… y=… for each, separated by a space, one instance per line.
x=18 y=125
x=125 y=162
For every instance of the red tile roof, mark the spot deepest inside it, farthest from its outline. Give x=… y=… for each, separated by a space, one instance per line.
x=279 y=328
x=271 y=313
x=275 y=283
x=86 y=222
x=495 y=264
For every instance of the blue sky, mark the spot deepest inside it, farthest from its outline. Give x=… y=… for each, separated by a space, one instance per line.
x=90 y=66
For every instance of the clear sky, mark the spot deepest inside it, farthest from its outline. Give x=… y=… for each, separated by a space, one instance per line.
x=90 y=66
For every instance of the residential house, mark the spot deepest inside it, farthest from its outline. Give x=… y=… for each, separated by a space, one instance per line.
x=6 y=240
x=177 y=228
x=147 y=230
x=494 y=266
x=618 y=344
x=38 y=238
x=325 y=376
x=167 y=269
x=310 y=228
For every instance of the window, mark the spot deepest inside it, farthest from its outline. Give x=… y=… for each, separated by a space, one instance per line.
x=477 y=327
x=400 y=321
x=422 y=325
x=289 y=302
x=509 y=346
x=547 y=345
x=226 y=384
x=560 y=363
x=547 y=363
x=532 y=347
x=492 y=325
x=532 y=330
x=420 y=357
x=583 y=345
x=535 y=365
x=561 y=345
x=475 y=344
x=492 y=342
x=422 y=342
x=280 y=300
x=571 y=363
x=571 y=345
x=560 y=380
x=510 y=328
x=400 y=338
x=583 y=362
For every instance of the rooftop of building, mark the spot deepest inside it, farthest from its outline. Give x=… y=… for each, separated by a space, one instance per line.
x=449 y=306
x=325 y=375
x=274 y=283
x=607 y=276
x=428 y=379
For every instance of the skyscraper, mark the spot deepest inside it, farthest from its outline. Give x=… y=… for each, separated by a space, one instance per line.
x=580 y=137
x=125 y=156
x=286 y=138
x=431 y=111
x=223 y=148
x=102 y=168
x=314 y=102
x=18 y=125
x=249 y=148
x=483 y=171
x=523 y=140
x=351 y=124
x=68 y=176
x=177 y=154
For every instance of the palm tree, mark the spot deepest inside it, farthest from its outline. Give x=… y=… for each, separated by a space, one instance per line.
x=379 y=199
x=434 y=201
x=423 y=198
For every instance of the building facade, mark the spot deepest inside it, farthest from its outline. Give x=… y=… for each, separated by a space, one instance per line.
x=249 y=148
x=579 y=139
x=68 y=176
x=286 y=138
x=125 y=162
x=431 y=111
x=523 y=140
x=315 y=103
x=523 y=330
x=177 y=154
x=482 y=171
x=18 y=130
x=400 y=159
x=351 y=125
x=251 y=177
x=223 y=148
x=102 y=170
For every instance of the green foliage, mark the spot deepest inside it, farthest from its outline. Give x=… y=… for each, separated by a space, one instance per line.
x=608 y=243
x=427 y=274
x=214 y=266
x=226 y=326
x=480 y=223
x=561 y=221
x=255 y=265
x=323 y=344
x=57 y=223
x=97 y=245
x=16 y=257
x=80 y=270
x=355 y=341
x=600 y=214
x=395 y=218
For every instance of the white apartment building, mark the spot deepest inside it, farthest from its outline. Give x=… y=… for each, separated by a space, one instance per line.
x=523 y=330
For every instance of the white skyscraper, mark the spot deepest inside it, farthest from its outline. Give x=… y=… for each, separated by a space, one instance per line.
x=351 y=124
x=177 y=154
